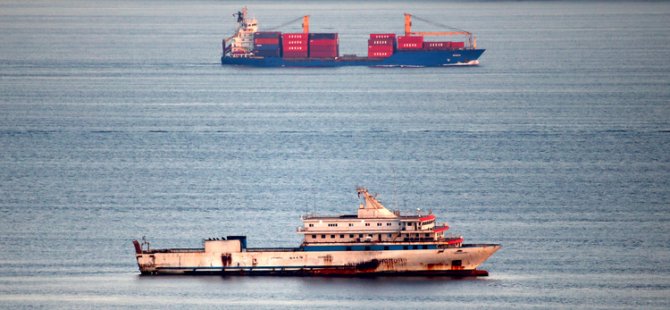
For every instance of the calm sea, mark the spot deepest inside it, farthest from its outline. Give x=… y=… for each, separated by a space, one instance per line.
x=117 y=121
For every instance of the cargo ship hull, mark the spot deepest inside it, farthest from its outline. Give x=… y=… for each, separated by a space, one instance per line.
x=226 y=258
x=419 y=58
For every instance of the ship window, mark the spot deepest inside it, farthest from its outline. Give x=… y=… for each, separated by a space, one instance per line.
x=425 y=247
x=367 y=224
x=390 y=235
x=348 y=248
x=314 y=236
x=332 y=225
x=379 y=224
x=388 y=224
x=386 y=247
x=351 y=235
x=351 y=224
x=427 y=235
x=367 y=248
x=415 y=247
x=457 y=263
x=360 y=235
x=341 y=236
x=404 y=247
x=332 y=236
x=323 y=236
x=311 y=225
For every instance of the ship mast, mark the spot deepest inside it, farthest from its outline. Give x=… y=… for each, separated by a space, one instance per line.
x=372 y=208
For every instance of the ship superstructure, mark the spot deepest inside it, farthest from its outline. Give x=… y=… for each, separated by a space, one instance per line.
x=373 y=241
x=251 y=47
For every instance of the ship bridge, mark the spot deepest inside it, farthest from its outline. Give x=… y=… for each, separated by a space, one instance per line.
x=372 y=223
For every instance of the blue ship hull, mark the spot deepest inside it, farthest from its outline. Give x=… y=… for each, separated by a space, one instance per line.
x=421 y=58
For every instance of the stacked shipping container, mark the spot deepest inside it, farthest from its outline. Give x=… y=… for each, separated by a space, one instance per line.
x=295 y=45
x=443 y=45
x=266 y=44
x=410 y=42
x=381 y=45
x=323 y=45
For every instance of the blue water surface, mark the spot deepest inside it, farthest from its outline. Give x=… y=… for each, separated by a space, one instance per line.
x=117 y=121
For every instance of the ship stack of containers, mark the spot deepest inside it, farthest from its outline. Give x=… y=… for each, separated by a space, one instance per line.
x=381 y=45
x=323 y=45
x=409 y=43
x=267 y=44
x=295 y=45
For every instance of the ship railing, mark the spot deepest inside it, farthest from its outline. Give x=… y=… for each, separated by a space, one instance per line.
x=273 y=249
x=180 y=250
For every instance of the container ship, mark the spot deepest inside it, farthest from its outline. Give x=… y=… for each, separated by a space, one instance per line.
x=375 y=241
x=250 y=47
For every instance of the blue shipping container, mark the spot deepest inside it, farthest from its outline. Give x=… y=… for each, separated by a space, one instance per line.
x=268 y=34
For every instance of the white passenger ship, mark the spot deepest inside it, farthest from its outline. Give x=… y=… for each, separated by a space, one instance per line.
x=376 y=241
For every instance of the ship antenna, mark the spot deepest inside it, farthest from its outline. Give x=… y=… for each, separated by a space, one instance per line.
x=395 y=202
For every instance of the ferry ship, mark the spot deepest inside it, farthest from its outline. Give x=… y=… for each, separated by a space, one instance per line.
x=250 y=47
x=375 y=241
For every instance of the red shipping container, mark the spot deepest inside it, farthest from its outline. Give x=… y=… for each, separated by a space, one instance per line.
x=295 y=36
x=294 y=43
x=457 y=45
x=272 y=41
x=410 y=42
x=437 y=45
x=381 y=42
x=323 y=42
x=323 y=49
x=380 y=50
x=380 y=54
x=295 y=48
x=410 y=46
x=382 y=36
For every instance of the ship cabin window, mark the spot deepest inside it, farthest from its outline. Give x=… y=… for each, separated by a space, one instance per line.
x=388 y=224
x=360 y=235
x=415 y=247
x=314 y=236
x=367 y=224
x=404 y=247
x=311 y=225
x=379 y=224
x=323 y=236
x=390 y=235
x=425 y=247
x=427 y=235
x=351 y=235
x=332 y=236
x=348 y=248
x=386 y=247
x=351 y=224
x=456 y=263
x=332 y=225
x=367 y=248
x=342 y=236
